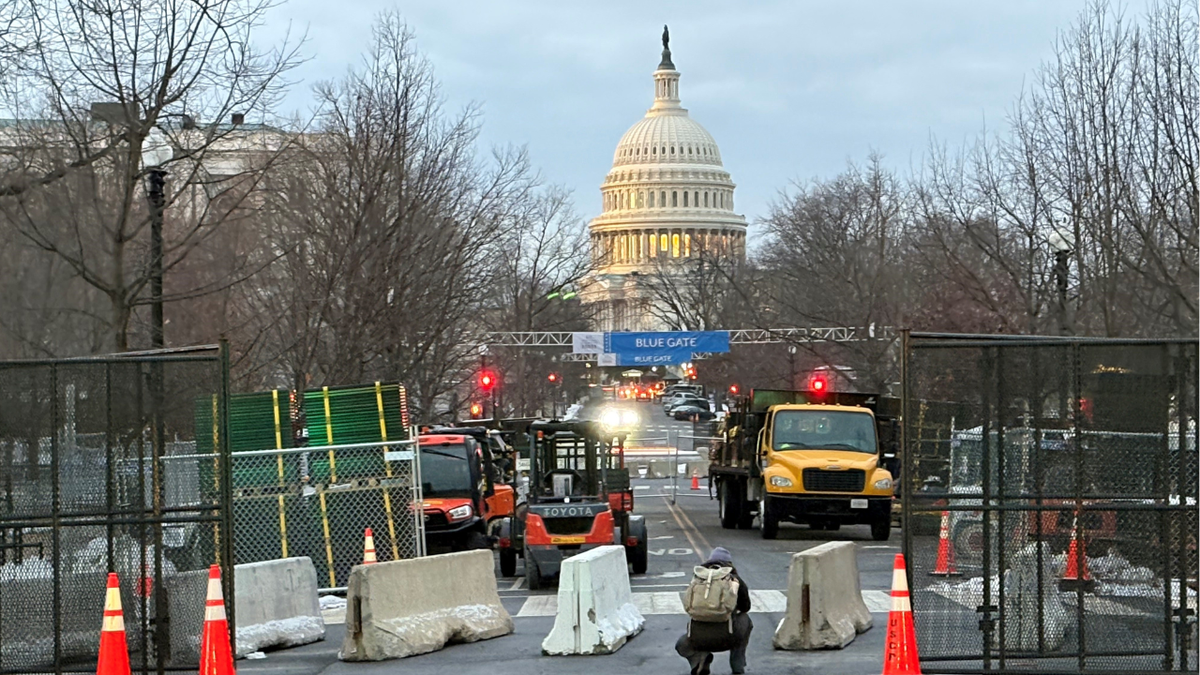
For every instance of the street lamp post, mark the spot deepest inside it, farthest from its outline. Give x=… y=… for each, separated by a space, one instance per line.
x=1062 y=258
x=156 y=152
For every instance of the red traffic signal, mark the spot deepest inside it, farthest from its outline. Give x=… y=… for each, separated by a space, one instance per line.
x=553 y=377
x=487 y=380
x=734 y=389
x=818 y=383
x=476 y=410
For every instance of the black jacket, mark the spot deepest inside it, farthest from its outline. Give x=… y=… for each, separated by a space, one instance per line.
x=721 y=636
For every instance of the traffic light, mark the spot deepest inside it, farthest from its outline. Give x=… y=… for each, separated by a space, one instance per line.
x=734 y=389
x=487 y=380
x=818 y=383
x=553 y=378
x=476 y=410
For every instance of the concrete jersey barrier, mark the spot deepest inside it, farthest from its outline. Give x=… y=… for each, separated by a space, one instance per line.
x=407 y=607
x=595 y=614
x=275 y=605
x=825 y=608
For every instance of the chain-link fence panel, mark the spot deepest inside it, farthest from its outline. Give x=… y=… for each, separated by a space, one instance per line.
x=318 y=502
x=89 y=485
x=1056 y=532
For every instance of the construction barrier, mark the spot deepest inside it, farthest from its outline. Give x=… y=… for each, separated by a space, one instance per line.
x=825 y=608
x=275 y=604
x=407 y=607
x=596 y=614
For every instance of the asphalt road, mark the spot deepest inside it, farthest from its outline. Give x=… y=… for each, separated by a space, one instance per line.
x=680 y=537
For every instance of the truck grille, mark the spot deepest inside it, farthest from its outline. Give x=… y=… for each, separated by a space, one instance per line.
x=819 y=480
x=568 y=525
x=436 y=520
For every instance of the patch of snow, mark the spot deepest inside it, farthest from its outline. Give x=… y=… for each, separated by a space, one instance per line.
x=1147 y=590
x=573 y=411
x=332 y=602
x=1114 y=567
x=291 y=632
x=254 y=656
x=31 y=568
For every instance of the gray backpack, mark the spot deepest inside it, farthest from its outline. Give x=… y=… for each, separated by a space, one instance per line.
x=712 y=594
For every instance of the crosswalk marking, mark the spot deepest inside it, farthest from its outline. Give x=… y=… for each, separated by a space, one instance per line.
x=658 y=603
x=671 y=602
x=878 y=602
x=768 y=601
x=539 y=605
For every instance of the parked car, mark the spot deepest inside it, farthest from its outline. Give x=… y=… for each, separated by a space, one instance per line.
x=692 y=411
x=684 y=399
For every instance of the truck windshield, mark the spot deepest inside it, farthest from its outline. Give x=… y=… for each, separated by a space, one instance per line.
x=444 y=471
x=822 y=430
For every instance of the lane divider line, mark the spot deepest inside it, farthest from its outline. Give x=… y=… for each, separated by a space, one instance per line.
x=688 y=529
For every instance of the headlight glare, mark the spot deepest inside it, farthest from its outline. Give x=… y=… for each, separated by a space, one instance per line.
x=610 y=418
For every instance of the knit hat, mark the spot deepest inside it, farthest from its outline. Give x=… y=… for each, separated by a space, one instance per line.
x=719 y=556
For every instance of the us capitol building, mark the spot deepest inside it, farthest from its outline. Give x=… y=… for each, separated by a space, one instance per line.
x=667 y=201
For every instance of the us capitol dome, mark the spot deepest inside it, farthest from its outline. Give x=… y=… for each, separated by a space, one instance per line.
x=667 y=201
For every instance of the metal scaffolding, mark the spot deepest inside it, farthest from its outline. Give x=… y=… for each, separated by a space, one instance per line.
x=740 y=336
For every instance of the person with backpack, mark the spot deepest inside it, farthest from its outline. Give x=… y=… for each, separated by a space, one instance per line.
x=718 y=604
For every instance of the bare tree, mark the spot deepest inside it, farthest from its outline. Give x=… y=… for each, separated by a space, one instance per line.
x=72 y=182
x=1101 y=153
x=697 y=291
x=834 y=256
x=384 y=222
x=538 y=264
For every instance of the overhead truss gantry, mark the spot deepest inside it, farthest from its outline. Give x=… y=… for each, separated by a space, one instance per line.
x=742 y=336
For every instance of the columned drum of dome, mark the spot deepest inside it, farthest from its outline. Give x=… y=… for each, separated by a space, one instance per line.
x=667 y=198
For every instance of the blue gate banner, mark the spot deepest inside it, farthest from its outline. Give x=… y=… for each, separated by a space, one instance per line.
x=666 y=348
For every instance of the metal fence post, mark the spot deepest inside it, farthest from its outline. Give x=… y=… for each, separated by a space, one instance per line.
x=226 y=496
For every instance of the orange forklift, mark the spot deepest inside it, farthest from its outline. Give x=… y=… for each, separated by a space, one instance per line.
x=579 y=498
x=464 y=495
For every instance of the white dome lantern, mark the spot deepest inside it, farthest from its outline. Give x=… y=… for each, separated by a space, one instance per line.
x=667 y=199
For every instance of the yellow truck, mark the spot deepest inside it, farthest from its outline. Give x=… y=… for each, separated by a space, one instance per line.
x=805 y=457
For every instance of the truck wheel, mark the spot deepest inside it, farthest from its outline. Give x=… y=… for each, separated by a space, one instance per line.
x=729 y=504
x=882 y=529
x=768 y=521
x=638 y=555
x=476 y=541
x=746 y=518
x=641 y=556
x=533 y=576
x=508 y=562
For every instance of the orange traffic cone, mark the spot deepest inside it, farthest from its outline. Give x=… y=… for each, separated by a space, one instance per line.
x=114 y=651
x=216 y=657
x=1077 y=575
x=695 y=481
x=368 y=547
x=900 y=651
x=945 y=557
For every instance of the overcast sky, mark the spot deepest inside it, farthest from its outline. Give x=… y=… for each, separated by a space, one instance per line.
x=790 y=89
